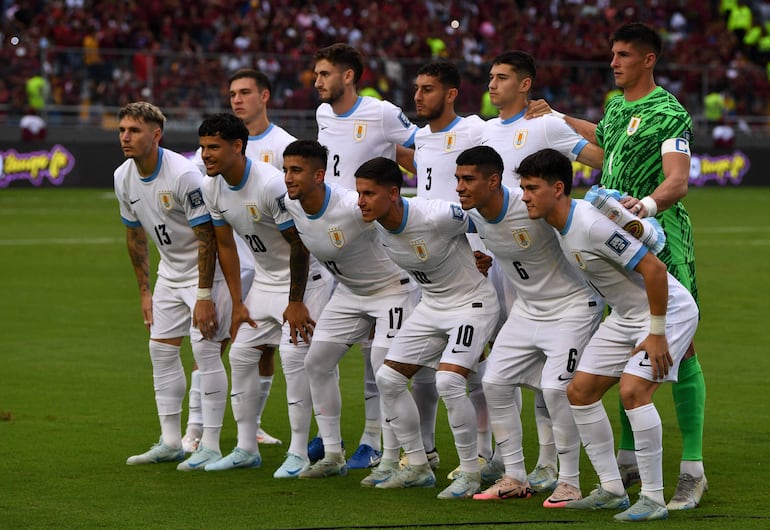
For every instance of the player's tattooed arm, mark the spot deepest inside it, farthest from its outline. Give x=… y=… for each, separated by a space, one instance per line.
x=296 y=313
x=136 y=242
x=204 y=313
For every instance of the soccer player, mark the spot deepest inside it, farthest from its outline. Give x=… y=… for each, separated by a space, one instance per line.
x=246 y=196
x=511 y=79
x=552 y=318
x=437 y=145
x=371 y=290
x=159 y=193
x=447 y=331
x=646 y=135
x=356 y=129
x=640 y=344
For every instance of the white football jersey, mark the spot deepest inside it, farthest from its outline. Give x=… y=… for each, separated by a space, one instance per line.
x=435 y=156
x=255 y=210
x=529 y=253
x=166 y=204
x=347 y=246
x=370 y=129
x=432 y=247
x=606 y=255
x=516 y=138
x=269 y=146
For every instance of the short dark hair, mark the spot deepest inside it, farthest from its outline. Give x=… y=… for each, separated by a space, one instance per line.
x=226 y=126
x=341 y=54
x=310 y=149
x=549 y=165
x=486 y=159
x=383 y=171
x=260 y=78
x=522 y=63
x=447 y=73
x=641 y=35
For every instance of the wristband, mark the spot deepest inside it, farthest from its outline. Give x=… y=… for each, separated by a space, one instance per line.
x=204 y=293
x=657 y=324
x=557 y=114
x=650 y=205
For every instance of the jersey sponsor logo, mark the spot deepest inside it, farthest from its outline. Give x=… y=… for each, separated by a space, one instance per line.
x=635 y=228
x=166 y=200
x=253 y=211
x=617 y=243
x=520 y=138
x=522 y=237
x=359 y=131
x=579 y=259
x=266 y=156
x=420 y=249
x=404 y=120
x=337 y=237
x=450 y=140
x=457 y=212
x=196 y=198
x=633 y=125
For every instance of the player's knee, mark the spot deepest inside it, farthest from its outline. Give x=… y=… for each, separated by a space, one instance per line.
x=450 y=385
x=390 y=382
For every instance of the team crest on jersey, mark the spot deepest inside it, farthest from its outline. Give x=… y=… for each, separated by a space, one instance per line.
x=359 y=131
x=420 y=249
x=635 y=228
x=520 y=138
x=166 y=200
x=579 y=259
x=633 y=125
x=521 y=236
x=337 y=237
x=266 y=156
x=450 y=140
x=254 y=212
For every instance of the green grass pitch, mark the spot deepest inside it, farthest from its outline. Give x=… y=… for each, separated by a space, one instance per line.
x=76 y=393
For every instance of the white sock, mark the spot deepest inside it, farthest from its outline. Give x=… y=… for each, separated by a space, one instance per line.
x=596 y=434
x=692 y=467
x=194 y=417
x=372 y=426
x=401 y=413
x=298 y=397
x=626 y=457
x=244 y=367
x=264 y=384
x=506 y=424
x=170 y=384
x=452 y=387
x=545 y=436
x=565 y=434
x=321 y=369
x=479 y=401
x=426 y=397
x=648 y=440
x=213 y=388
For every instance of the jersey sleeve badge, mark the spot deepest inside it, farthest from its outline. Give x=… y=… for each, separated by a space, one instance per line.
x=196 y=198
x=617 y=243
x=457 y=212
x=404 y=120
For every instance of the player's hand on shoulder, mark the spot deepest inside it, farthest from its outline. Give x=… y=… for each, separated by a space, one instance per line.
x=537 y=108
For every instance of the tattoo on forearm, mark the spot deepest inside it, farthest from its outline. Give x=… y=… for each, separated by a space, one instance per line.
x=207 y=254
x=136 y=241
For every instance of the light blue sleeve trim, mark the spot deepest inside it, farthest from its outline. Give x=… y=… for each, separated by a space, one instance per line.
x=200 y=220
x=287 y=224
x=579 y=146
x=631 y=265
x=130 y=224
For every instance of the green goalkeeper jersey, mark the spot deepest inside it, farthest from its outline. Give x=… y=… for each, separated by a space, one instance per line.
x=631 y=134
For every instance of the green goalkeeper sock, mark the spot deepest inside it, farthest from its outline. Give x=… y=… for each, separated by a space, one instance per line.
x=690 y=400
x=626 y=434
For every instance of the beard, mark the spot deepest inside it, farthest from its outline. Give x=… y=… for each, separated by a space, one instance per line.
x=334 y=95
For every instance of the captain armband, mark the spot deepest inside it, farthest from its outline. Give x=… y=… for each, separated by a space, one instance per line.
x=675 y=145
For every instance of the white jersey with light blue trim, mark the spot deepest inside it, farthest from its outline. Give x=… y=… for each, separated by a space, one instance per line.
x=166 y=204
x=529 y=253
x=347 y=246
x=269 y=146
x=370 y=129
x=606 y=255
x=432 y=247
x=254 y=209
x=435 y=156
x=516 y=138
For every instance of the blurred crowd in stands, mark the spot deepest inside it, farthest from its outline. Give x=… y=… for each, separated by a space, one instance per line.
x=179 y=53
